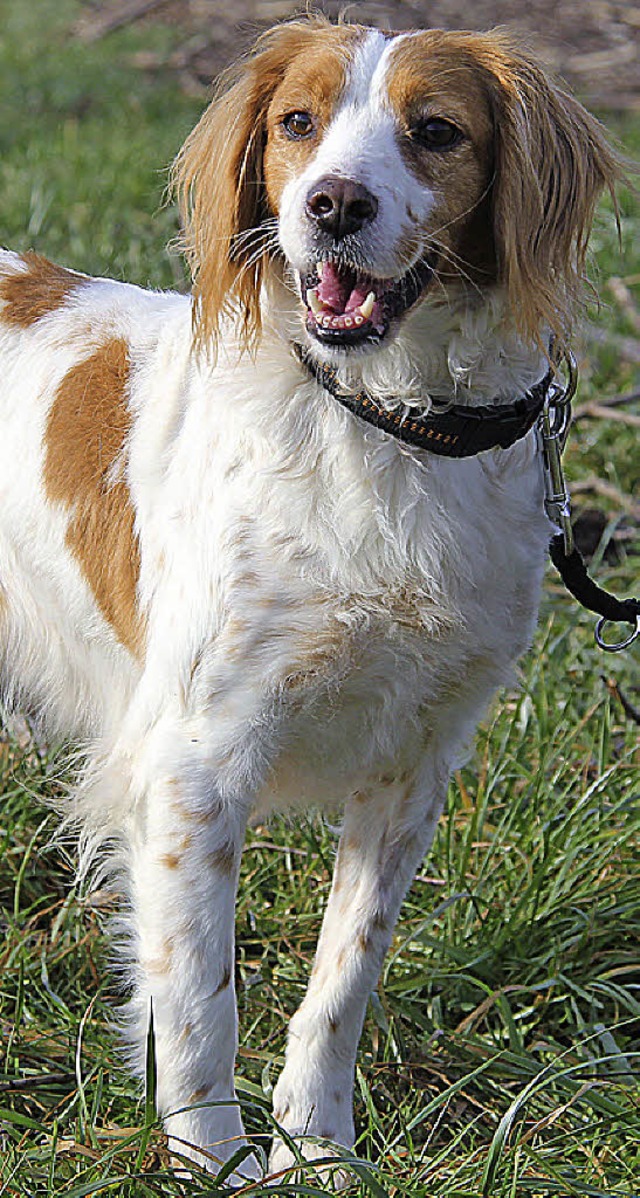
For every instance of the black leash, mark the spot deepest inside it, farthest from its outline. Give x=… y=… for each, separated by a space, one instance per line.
x=553 y=430
x=573 y=572
x=461 y=432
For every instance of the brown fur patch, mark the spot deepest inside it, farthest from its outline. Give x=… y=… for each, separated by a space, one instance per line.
x=170 y=860
x=198 y=1095
x=225 y=981
x=223 y=858
x=434 y=75
x=86 y=433
x=364 y=942
x=219 y=173
x=515 y=198
x=42 y=288
x=313 y=82
x=183 y=811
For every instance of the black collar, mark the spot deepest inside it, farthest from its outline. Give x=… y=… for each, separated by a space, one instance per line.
x=460 y=432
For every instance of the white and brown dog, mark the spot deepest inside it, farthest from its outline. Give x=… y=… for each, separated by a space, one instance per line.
x=238 y=592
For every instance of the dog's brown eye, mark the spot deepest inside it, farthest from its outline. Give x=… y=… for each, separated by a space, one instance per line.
x=298 y=124
x=436 y=133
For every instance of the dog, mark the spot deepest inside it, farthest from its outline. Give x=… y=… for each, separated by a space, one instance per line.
x=240 y=560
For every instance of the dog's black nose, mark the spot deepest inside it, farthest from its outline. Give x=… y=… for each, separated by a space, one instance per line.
x=340 y=206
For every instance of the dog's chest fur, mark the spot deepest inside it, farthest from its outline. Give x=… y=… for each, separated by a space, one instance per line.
x=308 y=587
x=351 y=599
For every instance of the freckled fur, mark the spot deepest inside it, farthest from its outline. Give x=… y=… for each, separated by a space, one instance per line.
x=171 y=860
x=224 y=980
x=223 y=858
x=235 y=594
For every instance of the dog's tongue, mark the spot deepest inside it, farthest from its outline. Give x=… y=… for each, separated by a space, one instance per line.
x=339 y=289
x=334 y=288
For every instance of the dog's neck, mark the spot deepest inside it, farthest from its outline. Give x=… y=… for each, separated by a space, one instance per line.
x=463 y=349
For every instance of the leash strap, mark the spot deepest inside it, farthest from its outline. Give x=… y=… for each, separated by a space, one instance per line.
x=553 y=430
x=573 y=573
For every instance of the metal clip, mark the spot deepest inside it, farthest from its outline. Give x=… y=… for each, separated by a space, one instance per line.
x=553 y=429
x=615 y=646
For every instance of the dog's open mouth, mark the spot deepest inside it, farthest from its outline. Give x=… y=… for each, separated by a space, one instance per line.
x=347 y=307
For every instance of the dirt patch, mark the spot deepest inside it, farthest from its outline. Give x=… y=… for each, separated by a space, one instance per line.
x=593 y=44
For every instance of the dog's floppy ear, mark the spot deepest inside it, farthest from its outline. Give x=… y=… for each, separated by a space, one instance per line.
x=552 y=162
x=218 y=179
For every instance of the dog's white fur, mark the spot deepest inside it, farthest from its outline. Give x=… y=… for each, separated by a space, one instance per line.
x=323 y=613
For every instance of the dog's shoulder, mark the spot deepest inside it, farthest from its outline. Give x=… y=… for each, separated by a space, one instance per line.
x=42 y=298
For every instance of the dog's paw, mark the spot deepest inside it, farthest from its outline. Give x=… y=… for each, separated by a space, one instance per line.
x=283 y=1161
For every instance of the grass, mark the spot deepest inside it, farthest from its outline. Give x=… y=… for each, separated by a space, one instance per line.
x=501 y=1051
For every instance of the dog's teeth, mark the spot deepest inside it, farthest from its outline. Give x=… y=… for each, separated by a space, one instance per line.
x=358 y=318
x=313 y=302
x=367 y=307
x=348 y=321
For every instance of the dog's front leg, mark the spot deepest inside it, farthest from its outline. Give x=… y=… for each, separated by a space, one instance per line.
x=387 y=830
x=184 y=859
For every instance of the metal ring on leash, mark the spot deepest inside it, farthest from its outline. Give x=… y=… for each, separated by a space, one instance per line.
x=615 y=646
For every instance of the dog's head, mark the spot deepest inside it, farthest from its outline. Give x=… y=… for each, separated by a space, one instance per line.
x=384 y=169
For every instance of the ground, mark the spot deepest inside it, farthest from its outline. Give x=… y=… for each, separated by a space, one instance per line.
x=594 y=45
